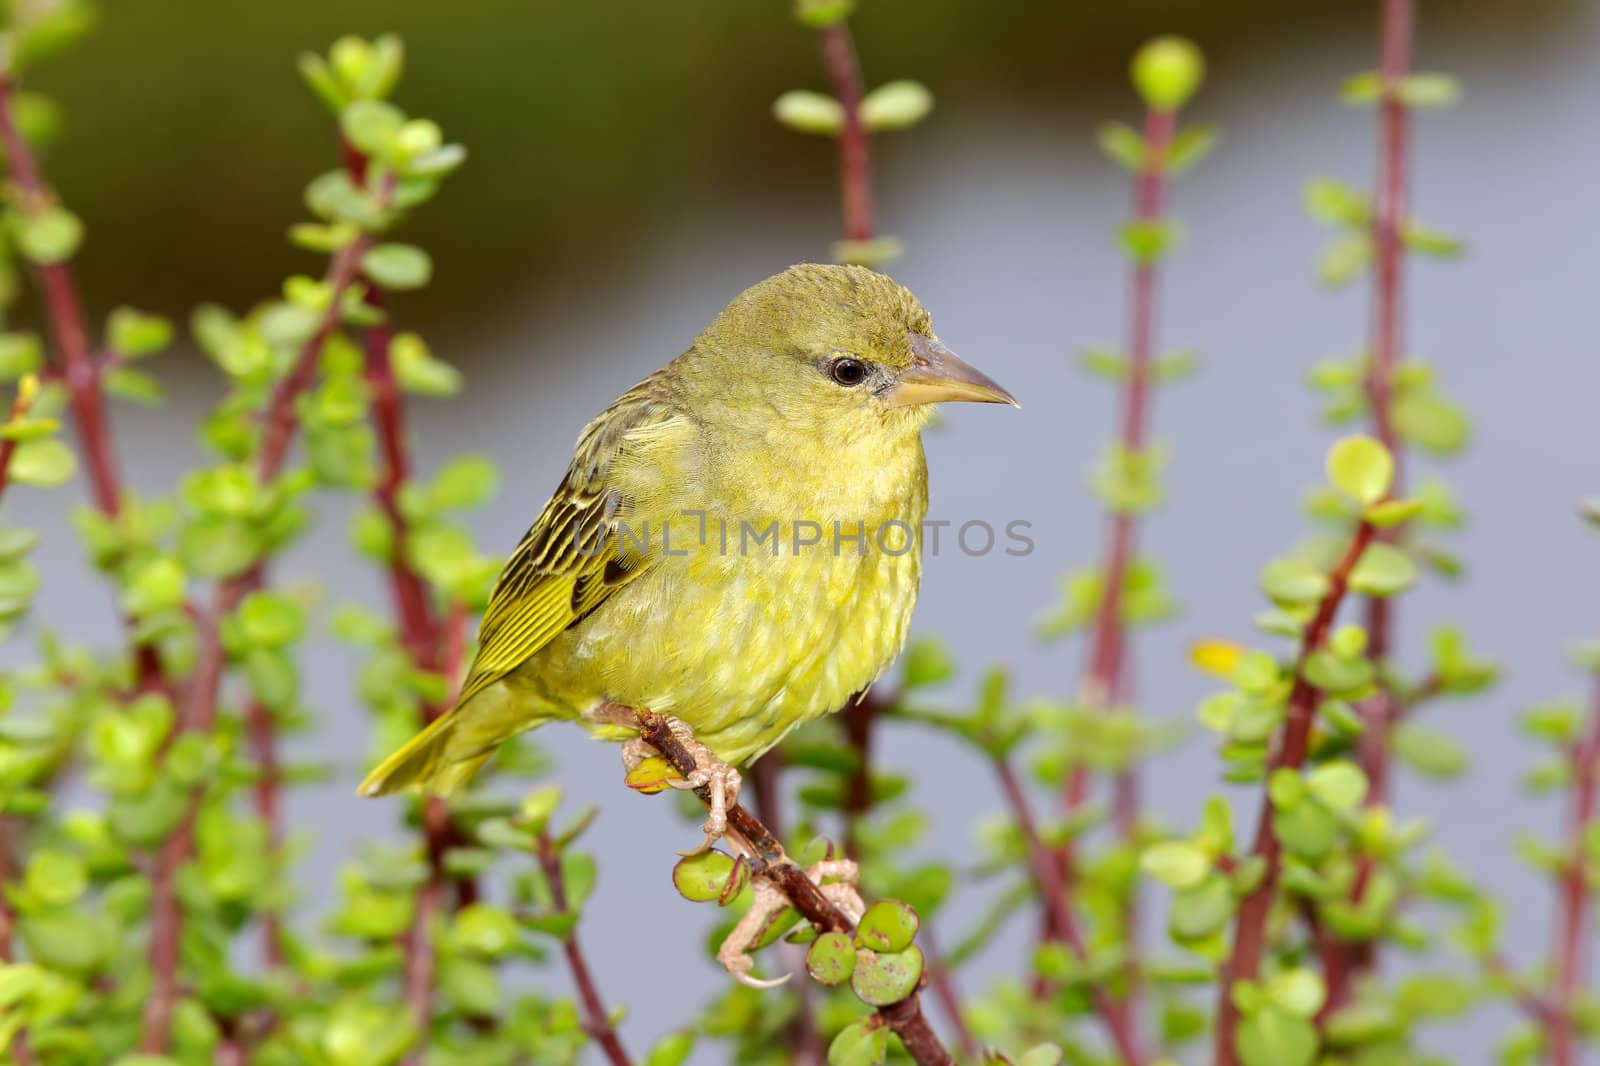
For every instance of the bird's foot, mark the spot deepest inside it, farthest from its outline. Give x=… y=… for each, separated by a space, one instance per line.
x=844 y=888
x=734 y=954
x=835 y=878
x=721 y=780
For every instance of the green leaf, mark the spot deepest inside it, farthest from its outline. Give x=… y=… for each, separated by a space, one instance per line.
x=1042 y=1055
x=1341 y=785
x=706 y=877
x=1293 y=581
x=1363 y=88
x=926 y=662
x=820 y=13
x=132 y=333
x=270 y=620
x=831 y=959
x=1432 y=242
x=370 y=125
x=1123 y=144
x=1391 y=513
x=1147 y=240
x=465 y=482
x=418 y=371
x=1337 y=675
x=671 y=1050
x=42 y=463
x=1430 y=752
x=1176 y=863
x=1272 y=1037
x=1383 y=570
x=133 y=385
x=154 y=585
x=49 y=236
x=882 y=979
x=1167 y=72
x=809 y=112
x=860 y=1044
x=56 y=878
x=1361 y=468
x=1344 y=259
x=1190 y=146
x=1431 y=423
x=887 y=926
x=1199 y=912
x=1306 y=830
x=895 y=105
x=1299 y=992
x=20 y=353
x=397 y=266
x=1428 y=90
x=1336 y=203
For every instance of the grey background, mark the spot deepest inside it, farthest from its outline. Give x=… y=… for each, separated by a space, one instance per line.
x=554 y=305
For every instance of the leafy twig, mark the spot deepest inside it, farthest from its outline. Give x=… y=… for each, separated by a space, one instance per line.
x=596 y=1019
x=64 y=312
x=1047 y=873
x=1573 y=933
x=206 y=682
x=855 y=161
x=1249 y=938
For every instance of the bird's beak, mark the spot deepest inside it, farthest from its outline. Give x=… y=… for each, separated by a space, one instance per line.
x=937 y=375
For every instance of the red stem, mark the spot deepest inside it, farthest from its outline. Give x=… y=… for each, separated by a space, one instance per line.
x=596 y=1019
x=421 y=963
x=206 y=682
x=855 y=160
x=1573 y=933
x=418 y=629
x=264 y=746
x=1382 y=709
x=64 y=312
x=1249 y=938
x=1053 y=895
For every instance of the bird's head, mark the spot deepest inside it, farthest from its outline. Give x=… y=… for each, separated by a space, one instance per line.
x=837 y=346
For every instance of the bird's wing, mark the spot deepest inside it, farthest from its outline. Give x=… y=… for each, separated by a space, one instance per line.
x=573 y=558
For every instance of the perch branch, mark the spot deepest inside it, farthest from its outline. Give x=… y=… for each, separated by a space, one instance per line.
x=769 y=862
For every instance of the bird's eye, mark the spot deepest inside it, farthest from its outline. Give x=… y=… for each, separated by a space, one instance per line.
x=848 y=372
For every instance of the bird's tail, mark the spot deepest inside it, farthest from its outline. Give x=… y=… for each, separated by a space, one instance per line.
x=427 y=760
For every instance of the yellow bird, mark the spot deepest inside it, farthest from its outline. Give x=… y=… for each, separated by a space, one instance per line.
x=736 y=545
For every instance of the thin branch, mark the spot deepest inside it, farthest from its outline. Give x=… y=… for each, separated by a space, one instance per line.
x=269 y=777
x=596 y=1019
x=64 y=311
x=1249 y=938
x=205 y=683
x=855 y=159
x=1113 y=1012
x=769 y=862
x=1382 y=709
x=1573 y=933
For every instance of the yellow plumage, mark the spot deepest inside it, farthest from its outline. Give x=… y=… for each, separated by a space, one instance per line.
x=671 y=570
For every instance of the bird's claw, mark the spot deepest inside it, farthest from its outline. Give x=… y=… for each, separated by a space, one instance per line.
x=710 y=772
x=734 y=954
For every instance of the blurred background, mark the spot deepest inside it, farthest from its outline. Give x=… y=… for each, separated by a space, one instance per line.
x=625 y=179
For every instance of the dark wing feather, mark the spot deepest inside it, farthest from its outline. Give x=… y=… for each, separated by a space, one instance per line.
x=570 y=560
